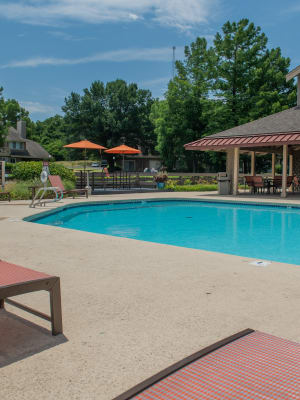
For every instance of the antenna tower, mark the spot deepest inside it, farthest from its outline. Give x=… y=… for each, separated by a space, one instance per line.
x=173 y=62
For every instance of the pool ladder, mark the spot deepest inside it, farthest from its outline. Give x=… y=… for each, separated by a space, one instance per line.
x=38 y=201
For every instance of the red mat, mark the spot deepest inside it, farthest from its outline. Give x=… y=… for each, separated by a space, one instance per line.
x=11 y=274
x=256 y=366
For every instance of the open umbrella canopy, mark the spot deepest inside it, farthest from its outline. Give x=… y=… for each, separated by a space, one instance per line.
x=85 y=144
x=123 y=149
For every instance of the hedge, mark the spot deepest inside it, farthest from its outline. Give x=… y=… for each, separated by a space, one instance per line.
x=30 y=170
x=192 y=188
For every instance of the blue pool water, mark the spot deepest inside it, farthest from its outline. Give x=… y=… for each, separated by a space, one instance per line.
x=255 y=231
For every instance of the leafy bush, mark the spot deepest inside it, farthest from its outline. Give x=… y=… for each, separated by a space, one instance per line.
x=191 y=188
x=29 y=170
x=20 y=190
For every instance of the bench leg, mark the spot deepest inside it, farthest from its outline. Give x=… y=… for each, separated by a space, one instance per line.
x=55 y=307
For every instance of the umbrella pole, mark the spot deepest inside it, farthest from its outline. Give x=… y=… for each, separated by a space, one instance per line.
x=123 y=167
x=87 y=174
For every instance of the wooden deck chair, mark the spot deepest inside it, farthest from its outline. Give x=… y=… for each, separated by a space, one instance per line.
x=16 y=280
x=247 y=365
x=56 y=181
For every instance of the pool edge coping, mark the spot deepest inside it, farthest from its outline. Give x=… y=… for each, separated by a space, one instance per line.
x=34 y=217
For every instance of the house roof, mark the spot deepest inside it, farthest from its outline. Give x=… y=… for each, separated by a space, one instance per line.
x=13 y=136
x=276 y=129
x=33 y=149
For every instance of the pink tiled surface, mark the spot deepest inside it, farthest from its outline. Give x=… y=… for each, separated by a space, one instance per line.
x=256 y=366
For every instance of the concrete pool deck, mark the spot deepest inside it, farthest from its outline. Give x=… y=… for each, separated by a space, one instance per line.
x=130 y=308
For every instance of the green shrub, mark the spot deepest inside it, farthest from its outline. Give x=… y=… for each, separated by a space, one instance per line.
x=21 y=190
x=69 y=185
x=191 y=188
x=29 y=170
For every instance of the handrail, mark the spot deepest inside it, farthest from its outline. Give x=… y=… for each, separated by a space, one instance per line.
x=41 y=202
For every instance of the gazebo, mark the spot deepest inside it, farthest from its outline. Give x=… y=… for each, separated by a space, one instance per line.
x=276 y=134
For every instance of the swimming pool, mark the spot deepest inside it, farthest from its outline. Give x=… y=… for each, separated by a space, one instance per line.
x=248 y=230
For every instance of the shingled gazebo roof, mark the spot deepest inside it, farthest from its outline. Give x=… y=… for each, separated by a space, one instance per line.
x=276 y=129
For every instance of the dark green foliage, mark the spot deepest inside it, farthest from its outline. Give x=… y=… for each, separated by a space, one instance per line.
x=29 y=170
x=248 y=77
x=51 y=134
x=10 y=113
x=233 y=82
x=108 y=114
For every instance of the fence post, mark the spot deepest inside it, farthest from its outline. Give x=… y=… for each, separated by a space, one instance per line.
x=3 y=174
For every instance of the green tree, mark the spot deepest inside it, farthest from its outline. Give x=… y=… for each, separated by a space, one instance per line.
x=249 y=78
x=184 y=115
x=51 y=134
x=108 y=113
x=233 y=82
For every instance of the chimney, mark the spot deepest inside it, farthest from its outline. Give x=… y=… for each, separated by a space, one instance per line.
x=293 y=74
x=21 y=129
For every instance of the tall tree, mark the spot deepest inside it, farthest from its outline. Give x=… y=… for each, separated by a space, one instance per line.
x=108 y=113
x=249 y=78
x=184 y=115
x=51 y=134
x=236 y=80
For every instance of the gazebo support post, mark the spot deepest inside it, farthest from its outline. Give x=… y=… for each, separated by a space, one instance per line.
x=236 y=166
x=252 y=163
x=284 y=169
x=273 y=164
x=291 y=167
x=229 y=166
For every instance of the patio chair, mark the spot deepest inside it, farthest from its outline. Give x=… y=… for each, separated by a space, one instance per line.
x=289 y=181
x=56 y=181
x=247 y=365
x=250 y=183
x=5 y=195
x=277 y=182
x=16 y=280
x=258 y=183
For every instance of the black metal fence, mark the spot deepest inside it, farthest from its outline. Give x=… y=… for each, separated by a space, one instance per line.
x=135 y=180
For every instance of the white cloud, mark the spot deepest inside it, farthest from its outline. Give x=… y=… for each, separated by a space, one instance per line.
x=183 y=14
x=36 y=107
x=154 y=54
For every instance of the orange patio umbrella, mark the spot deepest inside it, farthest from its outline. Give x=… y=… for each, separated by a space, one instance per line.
x=123 y=149
x=85 y=144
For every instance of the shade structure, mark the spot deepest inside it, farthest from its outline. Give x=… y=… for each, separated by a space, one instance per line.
x=85 y=144
x=123 y=149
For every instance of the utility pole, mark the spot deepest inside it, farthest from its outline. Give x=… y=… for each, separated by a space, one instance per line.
x=173 y=62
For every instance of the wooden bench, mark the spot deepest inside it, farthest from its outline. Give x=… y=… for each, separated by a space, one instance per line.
x=16 y=280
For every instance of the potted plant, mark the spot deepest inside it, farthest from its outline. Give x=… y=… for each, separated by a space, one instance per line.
x=161 y=179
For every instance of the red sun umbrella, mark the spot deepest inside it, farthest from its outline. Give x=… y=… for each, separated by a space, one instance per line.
x=123 y=149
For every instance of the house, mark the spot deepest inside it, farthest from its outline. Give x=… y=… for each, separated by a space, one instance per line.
x=277 y=134
x=140 y=162
x=18 y=148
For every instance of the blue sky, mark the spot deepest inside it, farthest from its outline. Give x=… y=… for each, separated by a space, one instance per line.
x=52 y=47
